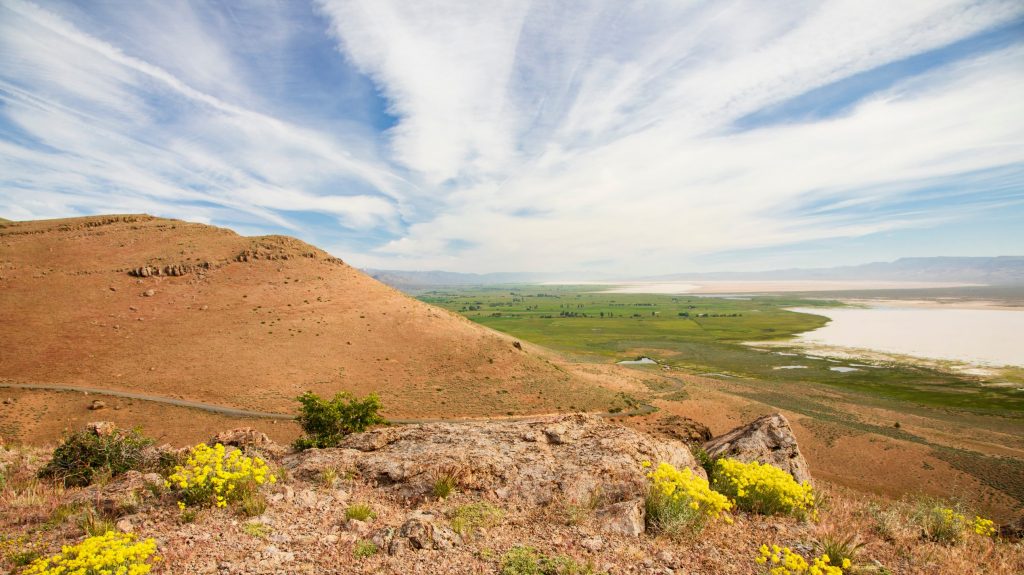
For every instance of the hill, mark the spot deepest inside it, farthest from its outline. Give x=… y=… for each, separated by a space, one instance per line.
x=180 y=310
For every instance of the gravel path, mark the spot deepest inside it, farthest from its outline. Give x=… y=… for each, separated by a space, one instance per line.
x=224 y=410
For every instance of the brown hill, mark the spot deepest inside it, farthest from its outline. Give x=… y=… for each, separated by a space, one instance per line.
x=182 y=310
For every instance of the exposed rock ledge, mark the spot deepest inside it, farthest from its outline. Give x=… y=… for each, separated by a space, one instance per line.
x=573 y=457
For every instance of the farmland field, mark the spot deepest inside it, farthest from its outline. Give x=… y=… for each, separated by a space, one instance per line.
x=896 y=427
x=707 y=335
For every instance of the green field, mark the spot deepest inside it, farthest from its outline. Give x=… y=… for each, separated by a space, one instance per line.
x=706 y=335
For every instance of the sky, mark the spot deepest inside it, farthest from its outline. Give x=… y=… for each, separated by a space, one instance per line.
x=557 y=136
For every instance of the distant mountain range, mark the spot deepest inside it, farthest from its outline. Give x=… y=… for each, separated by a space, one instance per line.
x=1002 y=270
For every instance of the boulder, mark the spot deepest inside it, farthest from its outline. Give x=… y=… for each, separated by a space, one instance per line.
x=624 y=518
x=101 y=428
x=249 y=440
x=124 y=494
x=768 y=439
x=684 y=429
x=571 y=458
x=97 y=404
x=424 y=532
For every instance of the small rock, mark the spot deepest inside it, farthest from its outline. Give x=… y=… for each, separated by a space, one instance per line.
x=360 y=528
x=592 y=544
x=306 y=498
x=9 y=401
x=97 y=404
x=423 y=533
x=149 y=293
x=112 y=288
x=665 y=556
x=125 y=525
x=625 y=518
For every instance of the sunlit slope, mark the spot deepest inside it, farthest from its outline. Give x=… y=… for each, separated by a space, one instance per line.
x=193 y=311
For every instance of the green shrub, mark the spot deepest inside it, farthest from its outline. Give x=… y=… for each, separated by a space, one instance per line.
x=325 y=423
x=359 y=512
x=529 y=561
x=257 y=529
x=466 y=519
x=444 y=485
x=941 y=522
x=85 y=456
x=840 y=550
x=364 y=549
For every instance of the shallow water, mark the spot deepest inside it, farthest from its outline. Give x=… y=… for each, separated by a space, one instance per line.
x=977 y=336
x=641 y=361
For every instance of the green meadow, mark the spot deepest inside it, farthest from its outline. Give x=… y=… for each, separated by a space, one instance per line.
x=707 y=335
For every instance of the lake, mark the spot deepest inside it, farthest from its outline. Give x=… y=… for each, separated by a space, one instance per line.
x=990 y=337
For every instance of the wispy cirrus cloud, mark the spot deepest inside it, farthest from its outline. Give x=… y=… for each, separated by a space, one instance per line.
x=520 y=135
x=88 y=121
x=620 y=124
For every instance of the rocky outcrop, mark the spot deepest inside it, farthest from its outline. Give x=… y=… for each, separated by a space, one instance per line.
x=623 y=518
x=573 y=458
x=768 y=439
x=101 y=428
x=122 y=495
x=249 y=440
x=169 y=270
x=684 y=429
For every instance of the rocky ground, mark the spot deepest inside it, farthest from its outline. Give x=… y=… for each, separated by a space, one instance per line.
x=567 y=486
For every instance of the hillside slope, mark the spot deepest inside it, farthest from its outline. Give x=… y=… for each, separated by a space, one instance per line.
x=191 y=311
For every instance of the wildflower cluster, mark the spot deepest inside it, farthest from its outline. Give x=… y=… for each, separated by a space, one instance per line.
x=677 y=492
x=763 y=488
x=109 y=554
x=784 y=561
x=212 y=475
x=983 y=527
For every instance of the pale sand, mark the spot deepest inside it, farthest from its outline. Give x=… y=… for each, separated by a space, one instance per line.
x=980 y=337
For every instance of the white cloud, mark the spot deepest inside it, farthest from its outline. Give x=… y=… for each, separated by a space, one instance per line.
x=114 y=124
x=530 y=136
x=610 y=125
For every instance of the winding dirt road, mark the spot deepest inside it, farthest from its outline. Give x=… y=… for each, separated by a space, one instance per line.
x=224 y=410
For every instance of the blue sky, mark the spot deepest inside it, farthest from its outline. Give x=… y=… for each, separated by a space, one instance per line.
x=530 y=136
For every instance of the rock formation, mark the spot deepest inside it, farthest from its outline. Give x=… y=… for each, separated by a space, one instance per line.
x=768 y=439
x=575 y=458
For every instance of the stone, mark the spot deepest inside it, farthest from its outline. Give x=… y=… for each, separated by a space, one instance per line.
x=424 y=533
x=149 y=293
x=97 y=404
x=9 y=401
x=576 y=457
x=768 y=439
x=360 y=528
x=125 y=524
x=623 y=518
x=593 y=544
x=122 y=495
x=101 y=428
x=684 y=429
x=248 y=440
